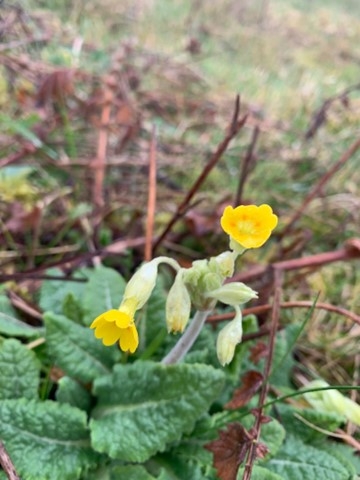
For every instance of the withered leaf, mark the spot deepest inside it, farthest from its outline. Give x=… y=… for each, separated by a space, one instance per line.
x=251 y=382
x=230 y=450
x=258 y=351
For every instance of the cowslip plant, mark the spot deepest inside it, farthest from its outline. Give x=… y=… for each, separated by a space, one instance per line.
x=126 y=399
x=201 y=285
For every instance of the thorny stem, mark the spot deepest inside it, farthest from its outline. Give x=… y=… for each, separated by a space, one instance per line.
x=187 y=340
x=263 y=394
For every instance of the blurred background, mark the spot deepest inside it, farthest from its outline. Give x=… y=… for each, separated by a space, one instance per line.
x=85 y=84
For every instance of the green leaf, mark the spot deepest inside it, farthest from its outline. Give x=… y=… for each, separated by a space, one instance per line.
x=75 y=349
x=46 y=440
x=259 y=473
x=130 y=472
x=71 y=308
x=126 y=472
x=102 y=292
x=145 y=406
x=54 y=292
x=291 y=419
x=293 y=334
x=20 y=371
x=281 y=377
x=6 y=306
x=153 y=319
x=187 y=461
x=11 y=326
x=347 y=453
x=298 y=461
x=71 y=392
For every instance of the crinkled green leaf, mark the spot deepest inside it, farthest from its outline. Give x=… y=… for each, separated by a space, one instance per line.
x=102 y=292
x=6 y=306
x=125 y=472
x=331 y=448
x=20 y=371
x=70 y=391
x=130 y=472
x=298 y=461
x=75 y=349
x=153 y=320
x=11 y=326
x=291 y=419
x=46 y=440
x=282 y=361
x=260 y=473
x=54 y=292
x=347 y=453
x=71 y=308
x=145 y=406
x=185 y=463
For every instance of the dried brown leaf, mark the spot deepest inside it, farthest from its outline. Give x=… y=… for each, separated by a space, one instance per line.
x=251 y=382
x=230 y=450
x=258 y=351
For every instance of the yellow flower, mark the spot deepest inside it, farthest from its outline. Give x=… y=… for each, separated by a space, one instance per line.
x=118 y=325
x=249 y=225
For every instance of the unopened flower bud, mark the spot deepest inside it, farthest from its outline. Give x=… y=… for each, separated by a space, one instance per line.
x=142 y=283
x=178 y=305
x=234 y=293
x=332 y=401
x=225 y=262
x=228 y=338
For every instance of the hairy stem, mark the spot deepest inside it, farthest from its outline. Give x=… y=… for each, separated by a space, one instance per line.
x=187 y=340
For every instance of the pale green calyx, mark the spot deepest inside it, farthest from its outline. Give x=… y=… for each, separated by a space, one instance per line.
x=332 y=401
x=228 y=338
x=234 y=293
x=178 y=305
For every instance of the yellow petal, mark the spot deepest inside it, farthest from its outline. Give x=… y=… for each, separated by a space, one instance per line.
x=122 y=319
x=98 y=321
x=108 y=316
x=109 y=333
x=129 y=339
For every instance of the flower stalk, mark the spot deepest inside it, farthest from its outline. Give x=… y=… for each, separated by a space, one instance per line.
x=179 y=351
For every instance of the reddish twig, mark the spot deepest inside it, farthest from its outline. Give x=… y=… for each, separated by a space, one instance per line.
x=151 y=198
x=320 y=184
x=267 y=370
x=320 y=115
x=247 y=163
x=27 y=149
x=295 y=304
x=99 y=162
x=7 y=464
x=235 y=126
x=350 y=251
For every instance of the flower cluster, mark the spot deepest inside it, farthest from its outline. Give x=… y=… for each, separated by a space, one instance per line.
x=199 y=286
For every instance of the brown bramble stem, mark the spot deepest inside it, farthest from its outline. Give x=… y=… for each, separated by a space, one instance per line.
x=295 y=304
x=267 y=370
